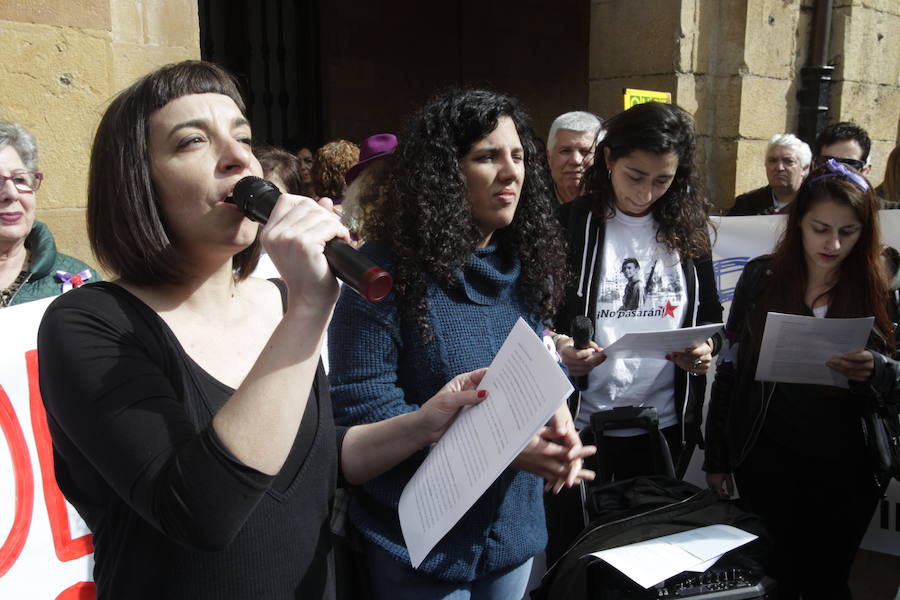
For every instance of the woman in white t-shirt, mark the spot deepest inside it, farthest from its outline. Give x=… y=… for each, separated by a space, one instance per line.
x=640 y=252
x=640 y=249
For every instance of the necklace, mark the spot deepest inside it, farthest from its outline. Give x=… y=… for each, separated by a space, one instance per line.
x=6 y=295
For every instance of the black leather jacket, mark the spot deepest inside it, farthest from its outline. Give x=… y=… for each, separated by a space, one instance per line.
x=738 y=403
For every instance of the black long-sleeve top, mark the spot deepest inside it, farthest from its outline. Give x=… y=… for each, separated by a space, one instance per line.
x=172 y=512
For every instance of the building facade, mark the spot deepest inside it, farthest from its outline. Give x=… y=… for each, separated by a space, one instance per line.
x=734 y=64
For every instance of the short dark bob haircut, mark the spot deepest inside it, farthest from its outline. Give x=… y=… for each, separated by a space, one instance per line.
x=125 y=225
x=682 y=213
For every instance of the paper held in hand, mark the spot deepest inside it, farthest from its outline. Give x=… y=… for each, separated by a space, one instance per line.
x=656 y=344
x=525 y=386
x=795 y=348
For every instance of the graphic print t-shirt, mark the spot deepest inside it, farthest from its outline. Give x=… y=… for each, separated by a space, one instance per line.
x=641 y=289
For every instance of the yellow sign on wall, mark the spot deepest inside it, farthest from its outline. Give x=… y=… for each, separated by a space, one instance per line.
x=633 y=97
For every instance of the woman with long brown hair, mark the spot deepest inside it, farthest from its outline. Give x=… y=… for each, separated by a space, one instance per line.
x=797 y=451
x=889 y=190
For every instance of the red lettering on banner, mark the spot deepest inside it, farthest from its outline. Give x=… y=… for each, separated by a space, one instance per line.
x=83 y=590
x=18 y=451
x=66 y=547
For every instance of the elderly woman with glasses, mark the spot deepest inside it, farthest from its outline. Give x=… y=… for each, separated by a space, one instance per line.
x=30 y=266
x=797 y=451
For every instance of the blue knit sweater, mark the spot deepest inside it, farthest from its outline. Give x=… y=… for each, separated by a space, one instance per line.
x=380 y=369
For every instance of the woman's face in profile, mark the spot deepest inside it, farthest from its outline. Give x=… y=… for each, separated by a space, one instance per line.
x=640 y=179
x=494 y=169
x=199 y=149
x=306 y=162
x=16 y=206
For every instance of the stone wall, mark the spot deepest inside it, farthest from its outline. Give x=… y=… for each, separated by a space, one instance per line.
x=62 y=61
x=736 y=67
x=865 y=49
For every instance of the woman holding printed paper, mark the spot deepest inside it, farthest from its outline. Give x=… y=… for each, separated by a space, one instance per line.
x=467 y=230
x=796 y=451
x=191 y=421
x=640 y=249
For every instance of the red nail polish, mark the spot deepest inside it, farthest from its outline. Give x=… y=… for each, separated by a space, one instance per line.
x=482 y=394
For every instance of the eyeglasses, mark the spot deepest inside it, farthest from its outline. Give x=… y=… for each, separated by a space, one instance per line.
x=857 y=164
x=839 y=169
x=26 y=182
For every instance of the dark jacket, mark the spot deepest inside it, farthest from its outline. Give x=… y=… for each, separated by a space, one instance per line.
x=42 y=281
x=585 y=233
x=754 y=202
x=738 y=402
x=639 y=509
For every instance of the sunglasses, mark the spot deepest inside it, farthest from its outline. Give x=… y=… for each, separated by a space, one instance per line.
x=839 y=169
x=850 y=162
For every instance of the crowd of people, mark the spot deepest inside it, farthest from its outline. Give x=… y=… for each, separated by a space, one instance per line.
x=199 y=435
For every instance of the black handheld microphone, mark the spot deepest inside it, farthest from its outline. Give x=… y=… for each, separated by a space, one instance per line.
x=582 y=332
x=256 y=197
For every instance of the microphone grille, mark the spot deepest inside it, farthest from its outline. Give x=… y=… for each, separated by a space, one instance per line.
x=249 y=187
x=582 y=330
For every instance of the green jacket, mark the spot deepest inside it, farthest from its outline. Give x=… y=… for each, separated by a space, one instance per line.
x=42 y=280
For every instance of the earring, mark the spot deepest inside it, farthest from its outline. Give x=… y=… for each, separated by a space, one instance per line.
x=609 y=174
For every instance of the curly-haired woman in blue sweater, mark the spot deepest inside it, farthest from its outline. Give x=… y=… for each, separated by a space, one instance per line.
x=468 y=231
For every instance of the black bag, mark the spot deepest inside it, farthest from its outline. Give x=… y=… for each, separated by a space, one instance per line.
x=627 y=417
x=643 y=508
x=881 y=429
x=570 y=511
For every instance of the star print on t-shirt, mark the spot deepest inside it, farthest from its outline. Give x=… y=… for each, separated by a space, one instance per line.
x=640 y=287
x=669 y=309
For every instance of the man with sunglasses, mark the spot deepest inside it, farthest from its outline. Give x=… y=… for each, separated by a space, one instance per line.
x=847 y=143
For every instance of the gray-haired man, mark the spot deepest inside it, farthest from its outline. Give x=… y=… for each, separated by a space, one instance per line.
x=570 y=151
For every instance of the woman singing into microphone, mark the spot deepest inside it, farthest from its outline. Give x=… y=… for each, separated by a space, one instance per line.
x=191 y=421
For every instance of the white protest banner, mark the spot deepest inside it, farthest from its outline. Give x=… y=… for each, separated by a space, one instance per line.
x=46 y=550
